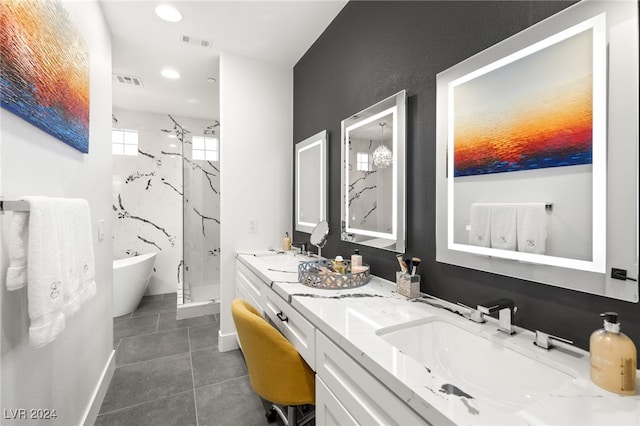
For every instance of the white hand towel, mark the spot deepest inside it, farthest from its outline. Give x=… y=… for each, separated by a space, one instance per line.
x=480 y=223
x=44 y=291
x=78 y=259
x=532 y=228
x=60 y=264
x=503 y=226
x=17 y=237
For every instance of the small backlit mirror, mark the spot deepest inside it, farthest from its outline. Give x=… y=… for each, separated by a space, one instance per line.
x=311 y=182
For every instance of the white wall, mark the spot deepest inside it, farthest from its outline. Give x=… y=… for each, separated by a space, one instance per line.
x=65 y=374
x=256 y=110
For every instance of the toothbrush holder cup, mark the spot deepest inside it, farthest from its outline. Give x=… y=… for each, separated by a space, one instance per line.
x=408 y=285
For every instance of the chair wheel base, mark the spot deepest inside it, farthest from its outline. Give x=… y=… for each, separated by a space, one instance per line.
x=271 y=415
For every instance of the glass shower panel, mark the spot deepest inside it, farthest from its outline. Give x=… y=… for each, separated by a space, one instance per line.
x=201 y=212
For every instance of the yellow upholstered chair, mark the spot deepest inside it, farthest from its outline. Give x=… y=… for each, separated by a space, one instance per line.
x=276 y=370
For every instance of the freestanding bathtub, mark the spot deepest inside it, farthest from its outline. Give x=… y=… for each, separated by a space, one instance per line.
x=130 y=280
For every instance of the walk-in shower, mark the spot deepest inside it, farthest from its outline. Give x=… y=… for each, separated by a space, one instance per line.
x=166 y=179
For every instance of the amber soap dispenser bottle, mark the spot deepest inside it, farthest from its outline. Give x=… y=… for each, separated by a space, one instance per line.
x=613 y=357
x=286 y=242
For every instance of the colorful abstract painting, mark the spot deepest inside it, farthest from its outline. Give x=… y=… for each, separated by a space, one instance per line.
x=530 y=113
x=44 y=69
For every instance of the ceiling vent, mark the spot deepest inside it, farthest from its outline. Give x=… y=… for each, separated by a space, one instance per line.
x=194 y=41
x=128 y=80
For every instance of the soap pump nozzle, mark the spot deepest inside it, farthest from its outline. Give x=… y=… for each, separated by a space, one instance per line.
x=611 y=323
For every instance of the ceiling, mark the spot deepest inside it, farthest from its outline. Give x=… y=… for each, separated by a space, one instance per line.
x=143 y=44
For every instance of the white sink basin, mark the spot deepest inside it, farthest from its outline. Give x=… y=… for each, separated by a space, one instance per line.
x=282 y=262
x=474 y=366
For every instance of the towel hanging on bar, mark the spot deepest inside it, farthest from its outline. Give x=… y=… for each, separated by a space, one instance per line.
x=13 y=206
x=59 y=261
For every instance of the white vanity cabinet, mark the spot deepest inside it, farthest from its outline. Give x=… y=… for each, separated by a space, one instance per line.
x=299 y=331
x=362 y=378
x=348 y=394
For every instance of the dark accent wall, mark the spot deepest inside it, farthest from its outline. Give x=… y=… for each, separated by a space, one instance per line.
x=371 y=51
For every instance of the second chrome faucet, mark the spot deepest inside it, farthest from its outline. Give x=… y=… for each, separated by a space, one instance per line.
x=505 y=307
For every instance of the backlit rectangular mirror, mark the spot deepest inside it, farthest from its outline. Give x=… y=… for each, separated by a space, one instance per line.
x=311 y=182
x=537 y=153
x=373 y=182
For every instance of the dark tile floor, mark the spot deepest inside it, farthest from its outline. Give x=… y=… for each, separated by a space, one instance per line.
x=170 y=372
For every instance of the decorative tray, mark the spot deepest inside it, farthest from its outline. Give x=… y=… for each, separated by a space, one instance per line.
x=320 y=274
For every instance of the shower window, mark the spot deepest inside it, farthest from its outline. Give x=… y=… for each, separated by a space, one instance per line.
x=364 y=162
x=205 y=148
x=124 y=142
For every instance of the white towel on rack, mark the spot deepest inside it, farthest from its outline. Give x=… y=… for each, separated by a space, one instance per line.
x=44 y=291
x=60 y=264
x=480 y=224
x=17 y=250
x=532 y=228
x=503 y=226
x=79 y=276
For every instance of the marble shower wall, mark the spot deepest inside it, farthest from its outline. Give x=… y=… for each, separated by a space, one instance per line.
x=150 y=214
x=370 y=192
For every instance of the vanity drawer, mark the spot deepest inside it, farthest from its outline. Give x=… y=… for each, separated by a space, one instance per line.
x=299 y=331
x=367 y=400
x=251 y=286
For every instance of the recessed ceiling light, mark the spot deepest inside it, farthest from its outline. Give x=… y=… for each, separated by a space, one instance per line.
x=169 y=73
x=211 y=80
x=168 y=13
x=172 y=136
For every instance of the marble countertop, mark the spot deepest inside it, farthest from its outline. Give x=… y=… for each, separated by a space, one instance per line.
x=352 y=317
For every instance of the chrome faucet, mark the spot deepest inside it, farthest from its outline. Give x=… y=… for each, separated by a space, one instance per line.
x=473 y=314
x=303 y=247
x=544 y=340
x=506 y=308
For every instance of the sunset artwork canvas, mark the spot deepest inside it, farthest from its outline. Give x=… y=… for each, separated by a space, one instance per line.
x=529 y=113
x=44 y=69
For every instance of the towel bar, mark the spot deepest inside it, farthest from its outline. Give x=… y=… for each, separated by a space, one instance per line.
x=14 y=206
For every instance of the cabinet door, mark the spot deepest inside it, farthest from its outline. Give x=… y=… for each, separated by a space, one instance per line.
x=329 y=411
x=299 y=331
x=367 y=400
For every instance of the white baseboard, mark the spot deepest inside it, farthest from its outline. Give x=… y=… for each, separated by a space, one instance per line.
x=91 y=414
x=227 y=342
